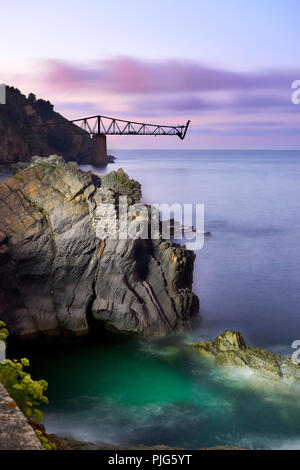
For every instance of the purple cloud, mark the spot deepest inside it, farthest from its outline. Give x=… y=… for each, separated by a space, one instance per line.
x=221 y=103
x=188 y=102
x=132 y=76
x=255 y=102
x=260 y=130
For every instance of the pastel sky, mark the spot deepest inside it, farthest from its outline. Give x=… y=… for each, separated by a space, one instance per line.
x=227 y=65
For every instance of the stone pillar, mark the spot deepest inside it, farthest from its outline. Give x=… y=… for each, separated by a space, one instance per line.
x=99 y=150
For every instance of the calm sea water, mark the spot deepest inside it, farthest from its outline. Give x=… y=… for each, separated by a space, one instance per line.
x=247 y=277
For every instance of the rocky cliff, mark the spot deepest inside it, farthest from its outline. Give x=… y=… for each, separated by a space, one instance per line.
x=56 y=275
x=20 y=139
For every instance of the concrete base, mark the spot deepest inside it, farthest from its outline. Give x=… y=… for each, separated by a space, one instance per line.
x=99 y=150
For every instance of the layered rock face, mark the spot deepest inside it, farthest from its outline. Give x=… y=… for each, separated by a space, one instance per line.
x=55 y=274
x=230 y=349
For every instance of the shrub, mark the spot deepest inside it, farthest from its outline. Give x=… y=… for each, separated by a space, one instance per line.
x=26 y=392
x=125 y=182
x=48 y=445
x=3 y=332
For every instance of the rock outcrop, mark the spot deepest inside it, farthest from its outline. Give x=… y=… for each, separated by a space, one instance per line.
x=15 y=432
x=56 y=275
x=230 y=349
x=20 y=139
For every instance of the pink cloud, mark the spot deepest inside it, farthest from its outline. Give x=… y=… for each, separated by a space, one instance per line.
x=255 y=102
x=132 y=76
x=222 y=104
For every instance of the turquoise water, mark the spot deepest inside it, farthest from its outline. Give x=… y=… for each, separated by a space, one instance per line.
x=120 y=390
x=124 y=391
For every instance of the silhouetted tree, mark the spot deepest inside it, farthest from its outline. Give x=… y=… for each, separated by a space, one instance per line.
x=31 y=97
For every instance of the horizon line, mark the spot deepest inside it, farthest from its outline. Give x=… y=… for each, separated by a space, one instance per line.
x=214 y=149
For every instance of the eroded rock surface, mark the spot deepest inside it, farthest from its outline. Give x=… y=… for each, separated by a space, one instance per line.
x=230 y=349
x=15 y=432
x=55 y=273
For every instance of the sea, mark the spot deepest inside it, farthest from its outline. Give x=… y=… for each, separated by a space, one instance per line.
x=129 y=391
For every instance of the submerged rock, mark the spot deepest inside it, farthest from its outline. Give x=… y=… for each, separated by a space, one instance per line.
x=73 y=444
x=55 y=274
x=230 y=349
x=110 y=158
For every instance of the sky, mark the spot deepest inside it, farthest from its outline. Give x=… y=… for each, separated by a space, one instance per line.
x=227 y=65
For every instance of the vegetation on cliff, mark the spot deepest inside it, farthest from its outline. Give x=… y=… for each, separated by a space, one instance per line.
x=19 y=141
x=3 y=332
x=26 y=392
